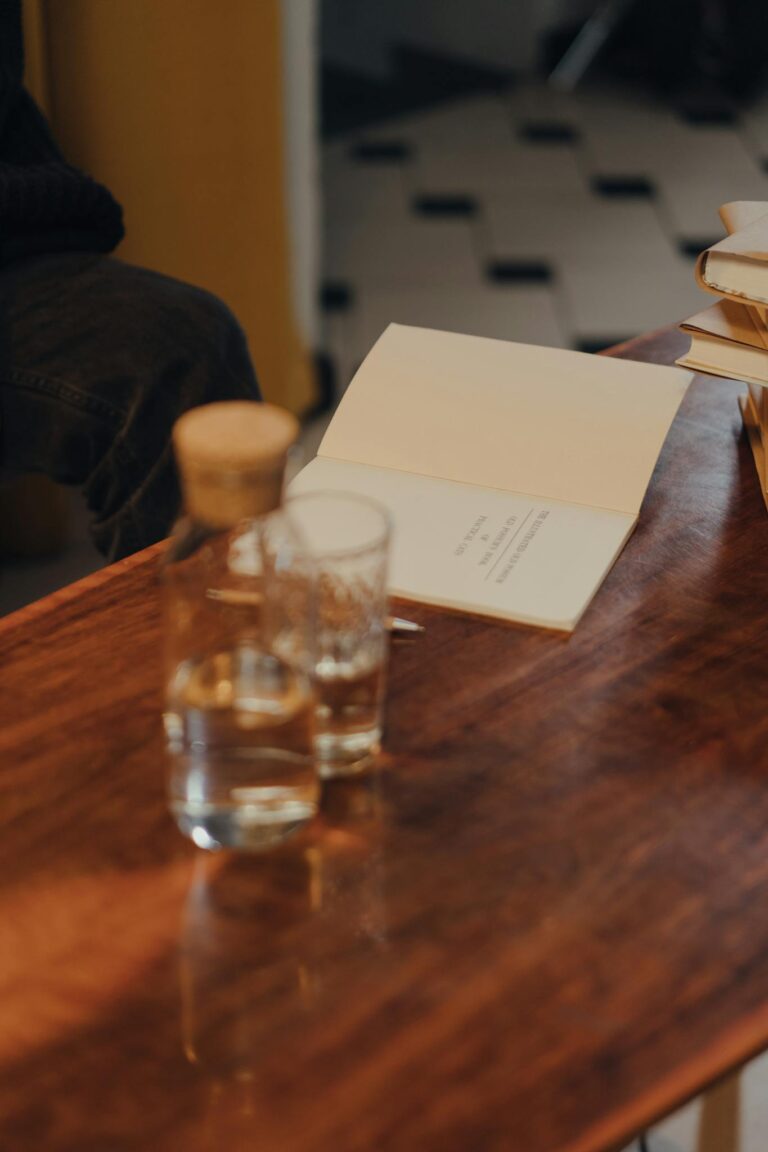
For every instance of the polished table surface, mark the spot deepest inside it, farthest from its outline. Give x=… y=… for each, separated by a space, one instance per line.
x=540 y=925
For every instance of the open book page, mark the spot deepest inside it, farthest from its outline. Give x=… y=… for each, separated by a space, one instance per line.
x=503 y=554
x=738 y=214
x=568 y=426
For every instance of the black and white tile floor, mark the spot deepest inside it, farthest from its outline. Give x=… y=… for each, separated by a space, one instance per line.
x=566 y=220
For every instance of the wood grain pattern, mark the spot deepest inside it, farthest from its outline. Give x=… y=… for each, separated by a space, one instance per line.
x=539 y=926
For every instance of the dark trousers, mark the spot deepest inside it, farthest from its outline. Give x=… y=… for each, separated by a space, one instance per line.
x=97 y=359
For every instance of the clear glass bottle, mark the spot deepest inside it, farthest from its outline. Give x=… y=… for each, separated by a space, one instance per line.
x=239 y=712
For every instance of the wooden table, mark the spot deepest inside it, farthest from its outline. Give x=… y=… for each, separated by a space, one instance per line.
x=542 y=924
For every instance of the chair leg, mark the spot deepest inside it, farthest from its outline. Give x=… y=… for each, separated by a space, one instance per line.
x=720 y=1119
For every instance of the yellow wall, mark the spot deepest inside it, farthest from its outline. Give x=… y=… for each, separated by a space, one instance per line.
x=176 y=105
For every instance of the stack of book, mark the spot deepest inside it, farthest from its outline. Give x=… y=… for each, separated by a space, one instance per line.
x=731 y=338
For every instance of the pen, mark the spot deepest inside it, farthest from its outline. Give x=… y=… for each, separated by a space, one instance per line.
x=397 y=624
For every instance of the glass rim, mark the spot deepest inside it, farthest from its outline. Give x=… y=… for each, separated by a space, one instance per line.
x=382 y=537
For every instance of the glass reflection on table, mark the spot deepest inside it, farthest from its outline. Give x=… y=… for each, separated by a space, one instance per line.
x=268 y=945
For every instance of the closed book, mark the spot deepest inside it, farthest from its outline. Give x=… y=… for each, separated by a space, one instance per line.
x=738 y=214
x=737 y=266
x=730 y=340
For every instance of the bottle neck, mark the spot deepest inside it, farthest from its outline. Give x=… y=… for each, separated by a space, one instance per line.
x=220 y=500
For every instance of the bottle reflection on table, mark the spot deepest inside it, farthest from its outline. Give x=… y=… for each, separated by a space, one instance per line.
x=269 y=946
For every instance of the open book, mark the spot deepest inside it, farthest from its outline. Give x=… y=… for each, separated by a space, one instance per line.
x=514 y=474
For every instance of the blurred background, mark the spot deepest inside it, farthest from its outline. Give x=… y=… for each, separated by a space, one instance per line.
x=543 y=172
x=533 y=170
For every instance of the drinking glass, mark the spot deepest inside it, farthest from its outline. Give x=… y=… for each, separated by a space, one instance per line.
x=347 y=536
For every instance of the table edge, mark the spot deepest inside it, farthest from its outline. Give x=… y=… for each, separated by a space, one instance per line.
x=80 y=587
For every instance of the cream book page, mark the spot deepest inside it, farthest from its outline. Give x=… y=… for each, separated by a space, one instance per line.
x=503 y=554
x=513 y=474
x=565 y=425
x=738 y=214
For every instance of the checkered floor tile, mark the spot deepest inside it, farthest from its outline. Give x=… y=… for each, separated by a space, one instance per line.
x=529 y=215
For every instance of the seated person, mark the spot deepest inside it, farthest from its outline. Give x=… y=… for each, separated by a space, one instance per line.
x=97 y=358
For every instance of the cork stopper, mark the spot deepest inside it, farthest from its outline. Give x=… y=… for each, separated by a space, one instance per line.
x=231 y=456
